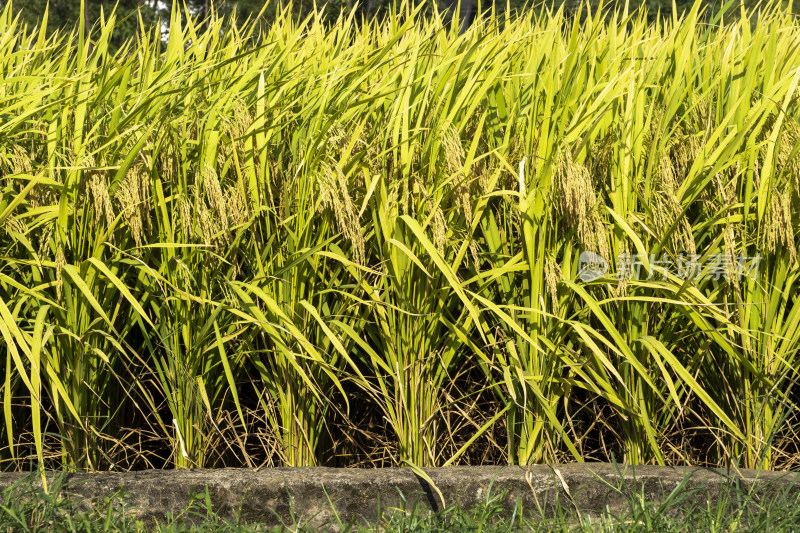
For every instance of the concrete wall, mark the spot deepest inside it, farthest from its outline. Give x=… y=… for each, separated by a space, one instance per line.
x=269 y=495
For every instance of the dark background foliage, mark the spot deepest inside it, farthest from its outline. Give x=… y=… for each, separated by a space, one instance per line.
x=65 y=14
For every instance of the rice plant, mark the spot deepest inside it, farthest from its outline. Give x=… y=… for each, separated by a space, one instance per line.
x=271 y=223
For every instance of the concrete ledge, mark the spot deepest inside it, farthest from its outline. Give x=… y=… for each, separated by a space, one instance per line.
x=270 y=495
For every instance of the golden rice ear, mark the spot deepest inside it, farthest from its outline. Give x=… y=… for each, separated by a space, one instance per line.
x=575 y=201
x=666 y=211
x=463 y=196
x=19 y=161
x=335 y=195
x=205 y=220
x=621 y=288
x=727 y=194
x=679 y=154
x=214 y=196
x=452 y=149
x=788 y=158
x=673 y=163
x=237 y=120
x=237 y=208
x=168 y=162
x=600 y=155
x=14 y=224
x=134 y=198
x=438 y=221
x=439 y=230
x=101 y=200
x=185 y=216
x=61 y=262
x=778 y=231
x=453 y=154
x=552 y=275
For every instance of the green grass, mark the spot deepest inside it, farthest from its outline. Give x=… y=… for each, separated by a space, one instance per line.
x=359 y=243
x=26 y=508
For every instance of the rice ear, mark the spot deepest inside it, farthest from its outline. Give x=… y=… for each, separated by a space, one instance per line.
x=335 y=195
x=575 y=201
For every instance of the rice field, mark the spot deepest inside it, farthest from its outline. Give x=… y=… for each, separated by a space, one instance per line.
x=375 y=243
